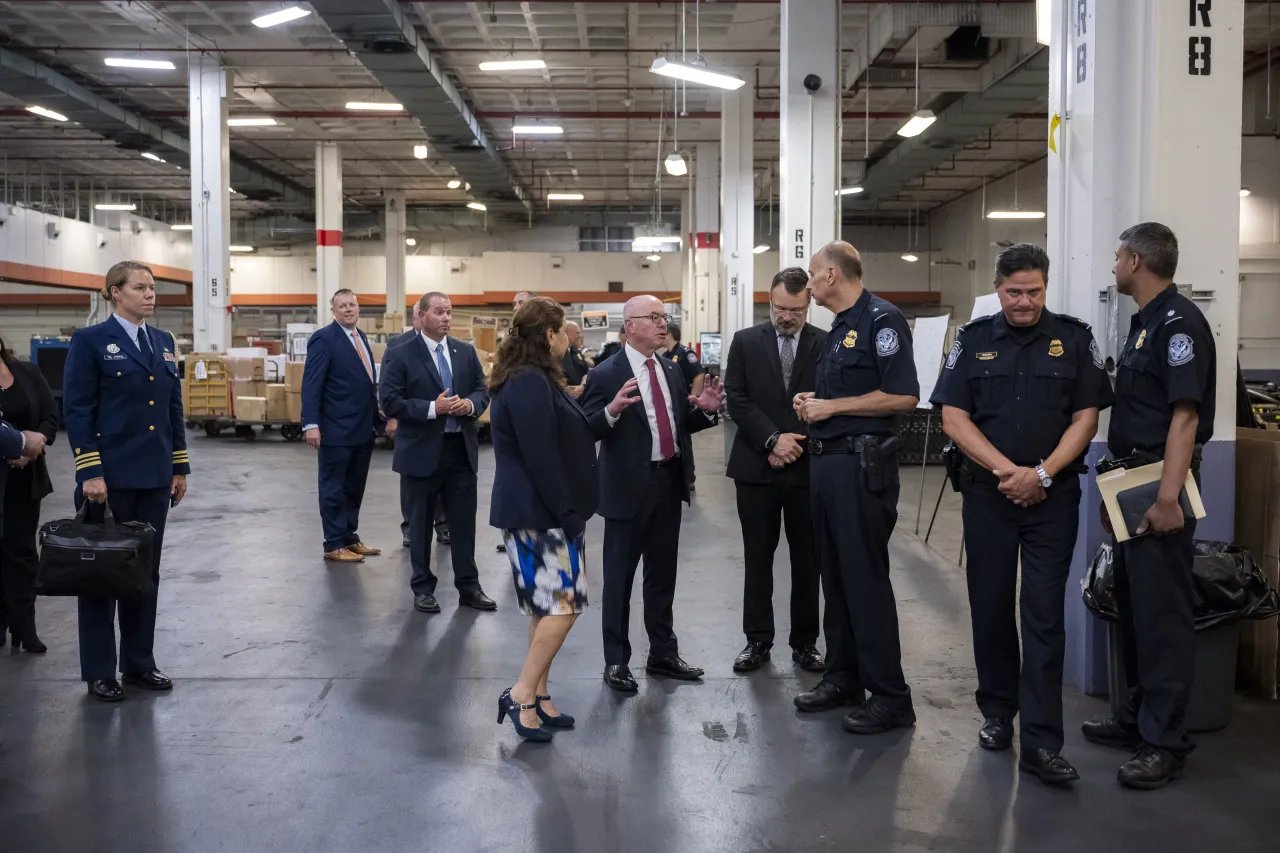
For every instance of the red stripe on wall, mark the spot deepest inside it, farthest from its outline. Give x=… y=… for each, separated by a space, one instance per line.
x=328 y=238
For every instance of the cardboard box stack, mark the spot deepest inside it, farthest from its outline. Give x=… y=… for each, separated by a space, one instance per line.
x=251 y=409
x=277 y=402
x=293 y=390
x=1258 y=530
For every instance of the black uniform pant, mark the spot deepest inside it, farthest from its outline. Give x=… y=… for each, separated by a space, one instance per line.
x=137 y=618
x=18 y=557
x=454 y=485
x=406 y=510
x=343 y=472
x=1153 y=592
x=653 y=534
x=852 y=525
x=763 y=510
x=996 y=531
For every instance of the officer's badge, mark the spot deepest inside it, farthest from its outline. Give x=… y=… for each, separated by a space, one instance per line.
x=1181 y=350
x=954 y=355
x=1096 y=352
x=987 y=356
x=850 y=340
x=113 y=348
x=1055 y=348
x=1142 y=336
x=886 y=342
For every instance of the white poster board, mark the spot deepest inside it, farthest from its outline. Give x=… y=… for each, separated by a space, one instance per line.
x=985 y=305
x=929 y=339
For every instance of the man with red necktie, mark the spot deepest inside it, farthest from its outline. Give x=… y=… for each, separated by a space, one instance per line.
x=646 y=464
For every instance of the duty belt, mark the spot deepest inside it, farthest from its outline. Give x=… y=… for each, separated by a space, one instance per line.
x=848 y=444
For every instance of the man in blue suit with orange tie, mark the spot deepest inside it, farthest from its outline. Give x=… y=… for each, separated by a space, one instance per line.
x=339 y=409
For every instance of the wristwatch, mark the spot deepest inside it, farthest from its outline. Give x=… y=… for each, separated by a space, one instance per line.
x=1045 y=480
x=772 y=441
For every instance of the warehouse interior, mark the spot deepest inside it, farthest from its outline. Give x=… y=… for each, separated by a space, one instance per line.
x=258 y=155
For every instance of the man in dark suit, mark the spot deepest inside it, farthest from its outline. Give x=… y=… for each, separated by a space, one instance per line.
x=406 y=504
x=768 y=365
x=646 y=462
x=434 y=386
x=339 y=407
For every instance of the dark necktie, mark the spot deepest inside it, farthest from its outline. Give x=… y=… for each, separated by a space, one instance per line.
x=788 y=356
x=446 y=376
x=666 y=441
x=144 y=343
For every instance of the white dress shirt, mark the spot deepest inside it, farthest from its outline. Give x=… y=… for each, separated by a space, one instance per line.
x=646 y=389
x=448 y=357
x=131 y=329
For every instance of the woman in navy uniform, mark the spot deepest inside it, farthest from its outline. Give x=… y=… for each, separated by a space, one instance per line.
x=122 y=403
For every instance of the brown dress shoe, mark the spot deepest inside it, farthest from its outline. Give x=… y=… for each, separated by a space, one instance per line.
x=364 y=550
x=343 y=555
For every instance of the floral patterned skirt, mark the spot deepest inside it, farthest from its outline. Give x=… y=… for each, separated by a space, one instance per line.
x=549 y=571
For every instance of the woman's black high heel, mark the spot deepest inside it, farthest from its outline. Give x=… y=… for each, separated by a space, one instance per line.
x=510 y=708
x=561 y=721
x=30 y=643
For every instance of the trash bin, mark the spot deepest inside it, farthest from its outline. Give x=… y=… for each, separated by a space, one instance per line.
x=1213 y=683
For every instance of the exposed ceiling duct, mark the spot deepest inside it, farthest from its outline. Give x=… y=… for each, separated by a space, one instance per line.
x=24 y=78
x=378 y=34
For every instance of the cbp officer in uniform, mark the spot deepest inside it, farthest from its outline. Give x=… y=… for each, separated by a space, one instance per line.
x=1020 y=396
x=122 y=404
x=1165 y=392
x=574 y=364
x=866 y=376
x=686 y=359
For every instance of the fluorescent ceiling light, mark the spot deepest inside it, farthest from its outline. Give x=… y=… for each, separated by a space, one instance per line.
x=849 y=190
x=1245 y=192
x=475 y=205
x=760 y=250
x=124 y=62
x=255 y=121
x=695 y=72
x=240 y=249
x=565 y=196
x=538 y=129
x=454 y=184
x=284 y=16
x=115 y=206
x=513 y=65
x=1015 y=214
x=420 y=151
x=47 y=113
x=653 y=258
x=909 y=258
x=648 y=244
x=409 y=241
x=150 y=156
x=675 y=165
x=917 y=124
x=181 y=226
x=374 y=107
x=1043 y=20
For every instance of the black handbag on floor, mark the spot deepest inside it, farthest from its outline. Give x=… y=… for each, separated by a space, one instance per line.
x=110 y=559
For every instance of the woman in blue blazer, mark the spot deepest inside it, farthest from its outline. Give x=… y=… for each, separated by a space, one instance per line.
x=544 y=490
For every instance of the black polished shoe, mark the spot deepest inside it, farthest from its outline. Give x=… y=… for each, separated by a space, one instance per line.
x=404 y=540
x=754 y=656
x=426 y=604
x=879 y=715
x=443 y=537
x=673 y=667
x=996 y=733
x=152 y=679
x=1111 y=732
x=106 y=690
x=809 y=658
x=826 y=696
x=1151 y=768
x=477 y=600
x=1048 y=766
x=618 y=676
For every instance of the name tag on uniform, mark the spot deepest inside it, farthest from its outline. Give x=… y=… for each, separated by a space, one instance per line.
x=987 y=356
x=1055 y=348
x=117 y=357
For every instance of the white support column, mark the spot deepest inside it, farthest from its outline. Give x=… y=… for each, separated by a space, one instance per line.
x=1127 y=153
x=209 y=87
x=328 y=226
x=704 y=313
x=737 y=210
x=393 y=233
x=810 y=134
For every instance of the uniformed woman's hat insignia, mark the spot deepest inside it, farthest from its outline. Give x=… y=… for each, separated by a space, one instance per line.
x=113 y=349
x=851 y=339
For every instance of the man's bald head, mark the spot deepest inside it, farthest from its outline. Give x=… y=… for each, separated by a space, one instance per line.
x=645 y=333
x=835 y=276
x=574 y=331
x=844 y=258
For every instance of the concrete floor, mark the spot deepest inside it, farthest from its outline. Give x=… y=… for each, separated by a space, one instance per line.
x=315 y=711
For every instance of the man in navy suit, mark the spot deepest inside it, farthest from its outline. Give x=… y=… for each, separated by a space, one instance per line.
x=646 y=465
x=434 y=386
x=339 y=408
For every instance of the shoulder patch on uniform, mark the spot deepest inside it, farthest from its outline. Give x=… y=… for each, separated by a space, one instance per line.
x=954 y=355
x=691 y=357
x=1181 y=350
x=1075 y=320
x=1096 y=352
x=886 y=342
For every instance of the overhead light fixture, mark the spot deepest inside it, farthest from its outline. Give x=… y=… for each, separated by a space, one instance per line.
x=371 y=106
x=420 y=151
x=284 y=16
x=565 y=196
x=454 y=184
x=150 y=156
x=910 y=258
x=47 y=113
x=240 y=249
x=409 y=241
x=760 y=250
x=1015 y=214
x=695 y=72
x=1044 y=24
x=513 y=65
x=475 y=205
x=653 y=258
x=648 y=244
x=1245 y=192
x=233 y=191
x=125 y=62
x=115 y=206
x=675 y=165
x=849 y=190
x=182 y=226
x=917 y=124
x=537 y=129
x=252 y=121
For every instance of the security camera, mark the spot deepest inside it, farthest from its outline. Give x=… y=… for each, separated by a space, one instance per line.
x=812 y=83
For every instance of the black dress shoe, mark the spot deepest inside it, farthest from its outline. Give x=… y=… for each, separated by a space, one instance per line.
x=477 y=600
x=404 y=540
x=879 y=715
x=826 y=696
x=443 y=537
x=754 y=656
x=618 y=676
x=502 y=548
x=1151 y=768
x=996 y=733
x=426 y=604
x=1111 y=732
x=151 y=680
x=672 y=666
x=1048 y=766
x=809 y=658
x=106 y=690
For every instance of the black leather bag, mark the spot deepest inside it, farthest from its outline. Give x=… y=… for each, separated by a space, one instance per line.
x=110 y=559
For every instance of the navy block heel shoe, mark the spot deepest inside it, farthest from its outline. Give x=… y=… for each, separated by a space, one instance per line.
x=561 y=721
x=511 y=709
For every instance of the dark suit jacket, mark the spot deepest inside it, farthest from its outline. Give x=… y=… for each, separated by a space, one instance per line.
x=761 y=406
x=44 y=419
x=337 y=394
x=545 y=452
x=627 y=447
x=410 y=384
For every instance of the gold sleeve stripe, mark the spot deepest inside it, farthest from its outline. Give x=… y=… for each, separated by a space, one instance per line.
x=83 y=465
x=84 y=457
